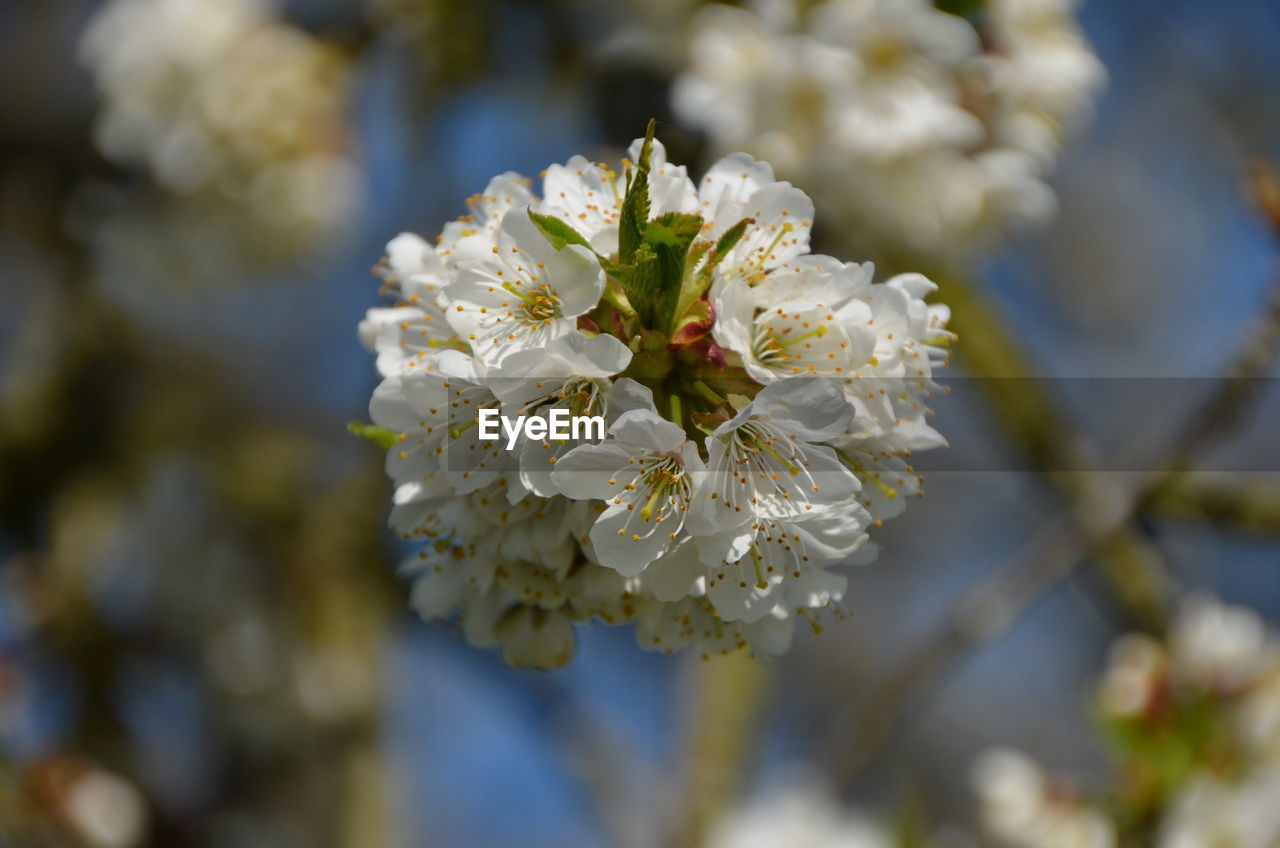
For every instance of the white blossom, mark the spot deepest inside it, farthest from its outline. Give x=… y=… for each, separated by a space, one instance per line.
x=1211 y=812
x=920 y=136
x=800 y=814
x=1218 y=646
x=645 y=472
x=1197 y=712
x=805 y=319
x=758 y=422
x=524 y=295
x=588 y=195
x=229 y=107
x=1021 y=808
x=571 y=374
x=769 y=460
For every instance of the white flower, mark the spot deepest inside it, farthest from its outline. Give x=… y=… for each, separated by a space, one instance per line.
x=751 y=86
x=230 y=108
x=880 y=464
x=405 y=334
x=893 y=387
x=739 y=186
x=588 y=196
x=1044 y=73
x=805 y=375
x=436 y=409
x=1210 y=812
x=646 y=472
x=524 y=295
x=905 y=97
x=769 y=460
x=804 y=814
x=1022 y=810
x=474 y=235
x=779 y=563
x=1218 y=646
x=572 y=374
x=920 y=136
x=693 y=622
x=804 y=319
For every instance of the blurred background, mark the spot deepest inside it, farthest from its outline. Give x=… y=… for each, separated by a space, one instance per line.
x=202 y=638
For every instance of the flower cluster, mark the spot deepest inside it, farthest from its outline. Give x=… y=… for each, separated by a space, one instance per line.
x=1197 y=721
x=761 y=405
x=928 y=133
x=223 y=101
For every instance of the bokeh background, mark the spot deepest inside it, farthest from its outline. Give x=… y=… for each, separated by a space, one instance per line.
x=202 y=638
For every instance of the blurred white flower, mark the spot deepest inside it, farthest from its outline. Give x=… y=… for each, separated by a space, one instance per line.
x=1218 y=646
x=1213 y=813
x=225 y=100
x=803 y=815
x=1197 y=718
x=920 y=133
x=1022 y=808
x=1135 y=673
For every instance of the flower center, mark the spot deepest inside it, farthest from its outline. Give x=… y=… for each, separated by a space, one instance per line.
x=666 y=483
x=771 y=342
x=537 y=307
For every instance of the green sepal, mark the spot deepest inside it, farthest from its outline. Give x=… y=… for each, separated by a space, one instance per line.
x=695 y=323
x=380 y=436
x=651 y=361
x=556 y=231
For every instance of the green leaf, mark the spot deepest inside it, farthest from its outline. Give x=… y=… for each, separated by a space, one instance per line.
x=694 y=285
x=674 y=229
x=651 y=254
x=669 y=237
x=556 y=231
x=731 y=237
x=635 y=205
x=380 y=436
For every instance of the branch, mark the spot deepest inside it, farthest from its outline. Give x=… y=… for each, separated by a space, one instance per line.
x=1251 y=506
x=1098 y=523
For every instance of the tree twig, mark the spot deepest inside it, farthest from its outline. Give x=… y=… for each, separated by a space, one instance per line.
x=1098 y=522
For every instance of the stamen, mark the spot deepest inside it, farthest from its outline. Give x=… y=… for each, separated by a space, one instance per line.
x=761 y=583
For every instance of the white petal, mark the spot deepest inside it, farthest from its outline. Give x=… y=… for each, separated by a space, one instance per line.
x=646 y=430
x=586 y=471
x=675 y=574
x=627 y=542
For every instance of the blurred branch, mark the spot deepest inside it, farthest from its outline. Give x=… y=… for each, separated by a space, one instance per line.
x=1238 y=504
x=1043 y=430
x=1098 y=523
x=727 y=696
